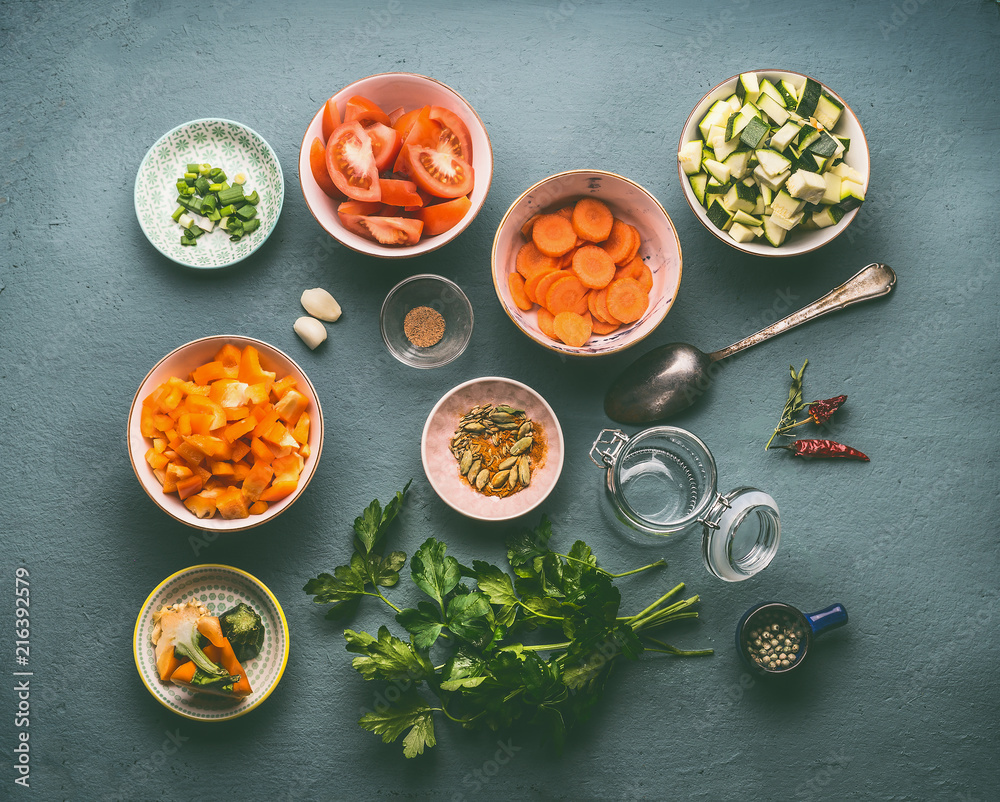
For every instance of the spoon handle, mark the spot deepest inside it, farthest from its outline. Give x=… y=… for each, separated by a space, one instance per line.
x=872 y=281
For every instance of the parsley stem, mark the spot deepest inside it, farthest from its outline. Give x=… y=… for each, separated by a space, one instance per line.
x=546 y=647
x=668 y=649
x=444 y=710
x=640 y=615
x=657 y=564
x=383 y=598
x=540 y=615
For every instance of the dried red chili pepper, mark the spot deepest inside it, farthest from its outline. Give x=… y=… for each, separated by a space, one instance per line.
x=822 y=411
x=824 y=448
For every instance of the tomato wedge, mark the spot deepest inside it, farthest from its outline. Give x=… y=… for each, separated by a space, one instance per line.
x=358 y=207
x=422 y=132
x=443 y=216
x=331 y=119
x=317 y=163
x=364 y=111
x=399 y=193
x=384 y=230
x=351 y=162
x=440 y=174
x=455 y=135
x=386 y=143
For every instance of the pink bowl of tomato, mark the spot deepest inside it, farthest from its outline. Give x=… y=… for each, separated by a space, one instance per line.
x=395 y=165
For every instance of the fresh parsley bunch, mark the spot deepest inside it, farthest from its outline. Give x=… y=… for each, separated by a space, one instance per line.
x=490 y=677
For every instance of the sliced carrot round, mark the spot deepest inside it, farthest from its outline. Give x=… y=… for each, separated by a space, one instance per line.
x=592 y=219
x=593 y=266
x=627 y=300
x=601 y=305
x=545 y=318
x=566 y=294
x=572 y=329
x=527 y=225
x=636 y=243
x=553 y=235
x=545 y=282
x=530 y=260
x=531 y=284
x=645 y=277
x=515 y=282
x=601 y=328
x=592 y=306
x=619 y=242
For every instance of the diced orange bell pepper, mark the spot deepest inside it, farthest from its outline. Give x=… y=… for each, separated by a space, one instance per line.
x=231 y=504
x=258 y=508
x=147 y=424
x=289 y=467
x=258 y=393
x=301 y=430
x=229 y=393
x=279 y=436
x=204 y=405
x=250 y=370
x=240 y=449
x=290 y=406
x=221 y=468
x=209 y=445
x=229 y=356
x=174 y=473
x=265 y=422
x=209 y=372
x=260 y=450
x=282 y=386
x=188 y=487
x=201 y=505
x=279 y=489
x=256 y=481
x=234 y=431
x=156 y=459
x=240 y=471
x=236 y=413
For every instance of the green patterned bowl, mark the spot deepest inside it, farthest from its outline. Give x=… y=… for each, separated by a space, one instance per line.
x=218 y=587
x=222 y=143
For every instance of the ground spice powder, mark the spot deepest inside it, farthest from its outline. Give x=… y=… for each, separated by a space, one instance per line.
x=423 y=326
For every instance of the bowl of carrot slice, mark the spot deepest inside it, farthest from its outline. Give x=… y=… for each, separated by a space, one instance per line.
x=225 y=433
x=586 y=263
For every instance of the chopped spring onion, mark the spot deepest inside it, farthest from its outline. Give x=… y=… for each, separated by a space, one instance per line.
x=202 y=190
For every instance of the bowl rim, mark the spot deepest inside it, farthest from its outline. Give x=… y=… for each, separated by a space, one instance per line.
x=445 y=237
x=175 y=129
x=550 y=345
x=254 y=520
x=699 y=210
x=396 y=290
x=253 y=581
x=541 y=400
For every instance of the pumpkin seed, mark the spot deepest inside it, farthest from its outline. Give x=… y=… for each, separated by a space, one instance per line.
x=482 y=479
x=466 y=462
x=521 y=445
x=524 y=469
x=499 y=478
x=524 y=430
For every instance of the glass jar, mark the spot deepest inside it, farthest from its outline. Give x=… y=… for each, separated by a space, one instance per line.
x=662 y=481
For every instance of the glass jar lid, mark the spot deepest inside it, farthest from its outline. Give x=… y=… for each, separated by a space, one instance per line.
x=742 y=532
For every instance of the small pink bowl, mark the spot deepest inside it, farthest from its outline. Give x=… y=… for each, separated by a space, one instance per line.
x=442 y=469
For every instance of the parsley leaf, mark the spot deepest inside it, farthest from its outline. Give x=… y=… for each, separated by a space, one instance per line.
x=386 y=657
x=423 y=623
x=371 y=525
x=409 y=711
x=433 y=572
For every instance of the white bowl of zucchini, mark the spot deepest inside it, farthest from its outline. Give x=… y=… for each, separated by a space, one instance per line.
x=773 y=163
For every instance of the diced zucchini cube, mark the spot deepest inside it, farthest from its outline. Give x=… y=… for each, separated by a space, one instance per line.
x=754 y=133
x=747 y=87
x=829 y=216
x=809 y=97
x=719 y=216
x=690 y=157
x=781 y=138
x=774 y=233
x=832 y=191
x=847 y=173
x=787 y=223
x=809 y=187
x=773 y=109
x=738 y=164
x=717 y=170
x=784 y=205
x=772 y=162
x=774 y=183
x=717 y=114
x=740 y=232
x=852 y=195
x=827 y=111
x=698 y=182
x=789 y=92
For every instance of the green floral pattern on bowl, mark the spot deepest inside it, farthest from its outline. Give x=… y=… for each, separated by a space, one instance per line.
x=222 y=143
x=218 y=587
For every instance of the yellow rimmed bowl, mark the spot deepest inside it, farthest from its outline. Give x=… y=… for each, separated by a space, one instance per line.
x=219 y=588
x=660 y=250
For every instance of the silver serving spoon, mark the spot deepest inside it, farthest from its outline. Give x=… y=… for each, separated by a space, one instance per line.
x=672 y=377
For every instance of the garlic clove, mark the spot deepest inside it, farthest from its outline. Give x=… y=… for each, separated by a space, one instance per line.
x=312 y=331
x=320 y=304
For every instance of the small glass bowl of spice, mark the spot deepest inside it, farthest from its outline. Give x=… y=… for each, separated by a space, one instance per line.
x=426 y=321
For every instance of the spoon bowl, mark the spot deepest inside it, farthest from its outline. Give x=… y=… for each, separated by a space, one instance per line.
x=671 y=378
